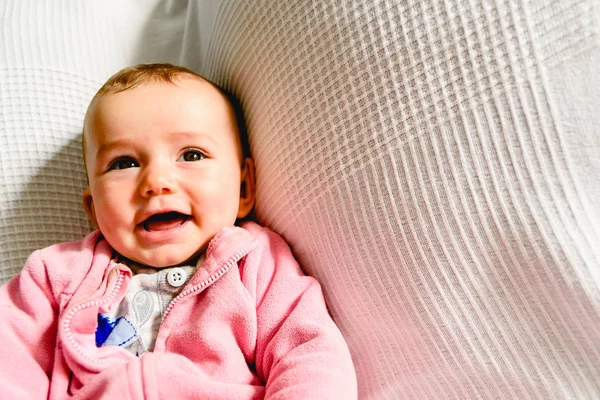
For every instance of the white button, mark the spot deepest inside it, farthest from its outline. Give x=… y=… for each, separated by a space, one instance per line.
x=176 y=277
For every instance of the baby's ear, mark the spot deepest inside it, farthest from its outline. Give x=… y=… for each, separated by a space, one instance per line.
x=88 y=206
x=246 y=188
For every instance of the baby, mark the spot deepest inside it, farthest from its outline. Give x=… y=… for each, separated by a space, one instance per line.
x=168 y=298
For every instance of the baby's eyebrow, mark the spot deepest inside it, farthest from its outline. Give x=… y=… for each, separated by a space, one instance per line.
x=108 y=146
x=194 y=135
x=186 y=135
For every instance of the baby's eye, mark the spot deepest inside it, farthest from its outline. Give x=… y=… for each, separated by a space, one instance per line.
x=192 y=155
x=123 y=163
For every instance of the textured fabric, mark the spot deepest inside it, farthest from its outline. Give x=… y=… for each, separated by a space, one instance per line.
x=435 y=165
x=249 y=325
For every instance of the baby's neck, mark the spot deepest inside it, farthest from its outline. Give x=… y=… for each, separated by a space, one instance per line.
x=138 y=268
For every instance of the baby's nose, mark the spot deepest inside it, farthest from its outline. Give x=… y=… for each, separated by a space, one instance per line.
x=157 y=181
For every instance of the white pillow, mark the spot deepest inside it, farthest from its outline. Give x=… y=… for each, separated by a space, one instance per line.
x=418 y=157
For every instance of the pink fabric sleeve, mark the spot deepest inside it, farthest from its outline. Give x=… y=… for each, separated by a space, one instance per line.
x=28 y=312
x=300 y=352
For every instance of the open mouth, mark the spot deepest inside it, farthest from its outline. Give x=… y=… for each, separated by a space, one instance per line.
x=164 y=221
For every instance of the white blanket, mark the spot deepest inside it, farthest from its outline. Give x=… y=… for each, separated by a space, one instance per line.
x=433 y=164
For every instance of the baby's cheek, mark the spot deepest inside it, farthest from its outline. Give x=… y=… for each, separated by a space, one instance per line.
x=108 y=220
x=111 y=224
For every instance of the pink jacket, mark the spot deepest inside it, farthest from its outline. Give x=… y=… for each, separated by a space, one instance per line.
x=249 y=325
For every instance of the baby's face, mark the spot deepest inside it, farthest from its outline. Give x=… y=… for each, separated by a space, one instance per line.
x=165 y=167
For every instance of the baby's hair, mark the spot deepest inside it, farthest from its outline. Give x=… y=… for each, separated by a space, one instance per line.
x=131 y=77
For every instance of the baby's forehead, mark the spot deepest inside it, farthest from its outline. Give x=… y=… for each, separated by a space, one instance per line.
x=191 y=83
x=107 y=108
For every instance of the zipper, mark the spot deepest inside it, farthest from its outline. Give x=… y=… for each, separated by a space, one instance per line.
x=97 y=302
x=212 y=278
x=92 y=303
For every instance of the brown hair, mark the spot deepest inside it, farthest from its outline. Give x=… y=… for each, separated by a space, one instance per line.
x=131 y=77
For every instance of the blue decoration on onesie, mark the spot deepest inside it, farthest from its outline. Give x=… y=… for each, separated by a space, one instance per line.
x=109 y=332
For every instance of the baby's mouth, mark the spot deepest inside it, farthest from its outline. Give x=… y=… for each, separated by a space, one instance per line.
x=165 y=221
